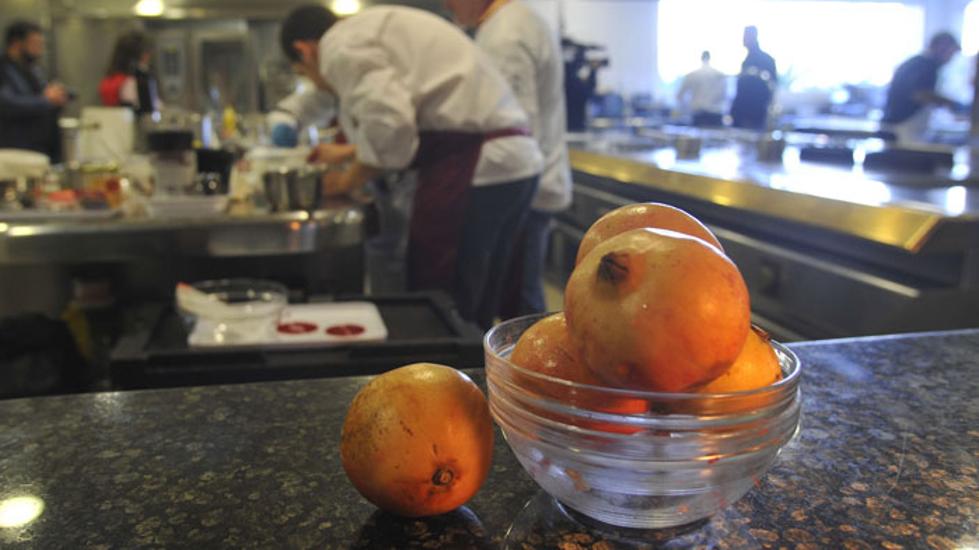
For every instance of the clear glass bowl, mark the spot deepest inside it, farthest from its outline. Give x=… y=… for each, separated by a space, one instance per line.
x=638 y=459
x=246 y=310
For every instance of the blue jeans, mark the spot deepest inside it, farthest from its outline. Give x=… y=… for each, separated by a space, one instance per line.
x=537 y=229
x=386 y=251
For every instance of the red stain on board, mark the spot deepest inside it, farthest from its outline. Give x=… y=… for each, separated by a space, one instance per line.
x=345 y=330
x=296 y=327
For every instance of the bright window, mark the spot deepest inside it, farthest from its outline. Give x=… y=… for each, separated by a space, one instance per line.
x=815 y=43
x=970 y=28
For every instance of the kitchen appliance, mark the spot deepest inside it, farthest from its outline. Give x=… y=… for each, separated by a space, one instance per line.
x=173 y=158
x=214 y=164
x=106 y=134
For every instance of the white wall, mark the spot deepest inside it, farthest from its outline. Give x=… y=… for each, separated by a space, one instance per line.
x=943 y=15
x=627 y=28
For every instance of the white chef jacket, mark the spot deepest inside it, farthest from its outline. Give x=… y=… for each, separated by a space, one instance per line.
x=305 y=106
x=526 y=51
x=707 y=88
x=398 y=71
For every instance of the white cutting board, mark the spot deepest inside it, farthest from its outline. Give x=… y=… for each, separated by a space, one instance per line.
x=327 y=324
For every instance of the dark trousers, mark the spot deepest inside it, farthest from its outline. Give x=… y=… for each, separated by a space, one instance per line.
x=524 y=289
x=493 y=220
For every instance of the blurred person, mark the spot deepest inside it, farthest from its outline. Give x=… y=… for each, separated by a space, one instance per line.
x=29 y=105
x=703 y=93
x=305 y=107
x=414 y=91
x=755 y=86
x=128 y=81
x=580 y=82
x=527 y=53
x=912 y=94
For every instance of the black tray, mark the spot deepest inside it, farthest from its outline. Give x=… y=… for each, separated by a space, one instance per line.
x=908 y=160
x=827 y=155
x=422 y=327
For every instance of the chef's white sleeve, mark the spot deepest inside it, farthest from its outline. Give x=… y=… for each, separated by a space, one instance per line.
x=516 y=63
x=376 y=102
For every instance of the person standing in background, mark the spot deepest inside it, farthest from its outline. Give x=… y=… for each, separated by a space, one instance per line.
x=703 y=92
x=912 y=93
x=128 y=80
x=29 y=106
x=756 y=85
x=526 y=52
x=414 y=91
x=580 y=81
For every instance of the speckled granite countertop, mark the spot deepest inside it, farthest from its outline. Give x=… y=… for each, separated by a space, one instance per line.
x=887 y=458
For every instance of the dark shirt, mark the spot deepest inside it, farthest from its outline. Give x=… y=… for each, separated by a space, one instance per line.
x=754 y=92
x=918 y=74
x=577 y=92
x=27 y=119
x=146 y=91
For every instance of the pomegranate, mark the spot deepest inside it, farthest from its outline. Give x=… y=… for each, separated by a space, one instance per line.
x=756 y=367
x=546 y=348
x=418 y=440
x=636 y=216
x=657 y=310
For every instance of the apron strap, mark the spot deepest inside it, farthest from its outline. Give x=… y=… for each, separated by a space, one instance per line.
x=506 y=132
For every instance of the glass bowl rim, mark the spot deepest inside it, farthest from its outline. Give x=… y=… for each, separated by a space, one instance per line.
x=786 y=383
x=212 y=286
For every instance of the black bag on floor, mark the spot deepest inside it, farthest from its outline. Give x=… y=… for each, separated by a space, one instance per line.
x=38 y=356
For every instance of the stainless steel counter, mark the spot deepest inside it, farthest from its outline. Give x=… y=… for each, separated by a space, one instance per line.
x=826 y=251
x=911 y=212
x=339 y=224
x=144 y=257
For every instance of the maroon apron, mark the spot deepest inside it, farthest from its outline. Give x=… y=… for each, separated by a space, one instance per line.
x=446 y=163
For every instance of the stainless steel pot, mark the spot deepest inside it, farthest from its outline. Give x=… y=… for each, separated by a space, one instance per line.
x=307 y=191
x=293 y=189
